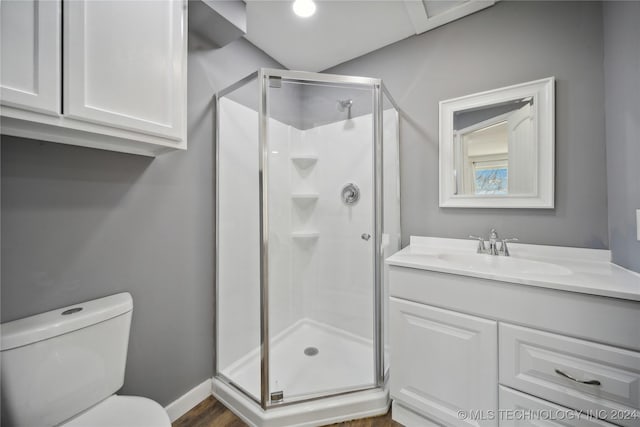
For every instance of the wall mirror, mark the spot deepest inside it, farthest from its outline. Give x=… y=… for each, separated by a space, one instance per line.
x=497 y=148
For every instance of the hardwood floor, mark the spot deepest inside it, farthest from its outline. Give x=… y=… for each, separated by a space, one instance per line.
x=211 y=413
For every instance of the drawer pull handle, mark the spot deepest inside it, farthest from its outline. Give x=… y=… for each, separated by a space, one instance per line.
x=590 y=382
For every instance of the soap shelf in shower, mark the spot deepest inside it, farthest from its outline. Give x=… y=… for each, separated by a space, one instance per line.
x=305 y=197
x=305 y=235
x=304 y=160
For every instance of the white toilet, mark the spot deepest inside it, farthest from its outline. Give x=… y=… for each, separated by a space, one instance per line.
x=63 y=367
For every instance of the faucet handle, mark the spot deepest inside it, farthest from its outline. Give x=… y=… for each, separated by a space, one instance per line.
x=481 y=247
x=504 y=249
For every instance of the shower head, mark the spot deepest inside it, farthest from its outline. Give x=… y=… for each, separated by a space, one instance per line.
x=345 y=105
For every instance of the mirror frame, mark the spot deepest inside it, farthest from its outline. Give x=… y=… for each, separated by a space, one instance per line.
x=543 y=92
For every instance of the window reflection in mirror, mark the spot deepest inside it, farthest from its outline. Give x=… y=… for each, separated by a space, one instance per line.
x=495 y=149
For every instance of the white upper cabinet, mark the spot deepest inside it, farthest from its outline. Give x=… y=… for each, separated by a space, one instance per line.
x=124 y=64
x=30 y=45
x=118 y=82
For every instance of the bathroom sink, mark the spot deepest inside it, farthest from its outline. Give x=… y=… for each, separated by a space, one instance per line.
x=586 y=271
x=506 y=265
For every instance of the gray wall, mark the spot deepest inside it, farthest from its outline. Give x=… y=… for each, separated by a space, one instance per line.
x=79 y=223
x=622 y=93
x=320 y=103
x=511 y=42
x=285 y=103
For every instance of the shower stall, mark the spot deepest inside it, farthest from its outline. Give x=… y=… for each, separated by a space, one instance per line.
x=307 y=209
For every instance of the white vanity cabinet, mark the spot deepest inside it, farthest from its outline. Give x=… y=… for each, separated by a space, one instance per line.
x=475 y=351
x=447 y=362
x=102 y=74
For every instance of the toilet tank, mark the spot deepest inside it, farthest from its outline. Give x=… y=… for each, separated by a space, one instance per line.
x=59 y=363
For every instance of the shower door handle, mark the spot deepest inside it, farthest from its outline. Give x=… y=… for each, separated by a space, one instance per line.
x=365 y=236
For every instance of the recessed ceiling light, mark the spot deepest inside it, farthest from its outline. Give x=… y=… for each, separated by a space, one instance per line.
x=304 y=8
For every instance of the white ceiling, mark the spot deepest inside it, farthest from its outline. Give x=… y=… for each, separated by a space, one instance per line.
x=342 y=30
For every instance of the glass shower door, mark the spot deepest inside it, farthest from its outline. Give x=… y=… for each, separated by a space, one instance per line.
x=319 y=150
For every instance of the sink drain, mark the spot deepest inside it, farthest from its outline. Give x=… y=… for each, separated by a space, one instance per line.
x=311 y=351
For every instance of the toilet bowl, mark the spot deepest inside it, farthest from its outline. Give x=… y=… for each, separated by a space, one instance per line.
x=63 y=368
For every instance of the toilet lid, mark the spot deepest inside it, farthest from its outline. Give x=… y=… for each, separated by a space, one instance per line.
x=123 y=411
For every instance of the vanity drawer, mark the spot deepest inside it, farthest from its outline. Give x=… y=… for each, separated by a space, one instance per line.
x=532 y=361
x=519 y=409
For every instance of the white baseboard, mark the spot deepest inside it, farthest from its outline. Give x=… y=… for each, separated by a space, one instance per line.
x=184 y=403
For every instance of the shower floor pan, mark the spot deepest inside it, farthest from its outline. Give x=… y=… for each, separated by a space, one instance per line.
x=343 y=362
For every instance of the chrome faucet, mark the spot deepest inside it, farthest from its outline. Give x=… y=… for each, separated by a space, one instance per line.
x=493 y=244
x=504 y=249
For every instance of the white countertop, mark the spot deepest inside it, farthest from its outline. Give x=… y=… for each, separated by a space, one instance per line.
x=587 y=271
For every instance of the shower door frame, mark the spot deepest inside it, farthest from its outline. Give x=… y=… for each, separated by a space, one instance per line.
x=379 y=90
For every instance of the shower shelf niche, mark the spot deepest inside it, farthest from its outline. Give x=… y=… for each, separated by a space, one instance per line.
x=305 y=235
x=305 y=197
x=304 y=161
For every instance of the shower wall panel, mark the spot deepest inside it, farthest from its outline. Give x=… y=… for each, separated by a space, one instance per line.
x=283 y=292
x=239 y=240
x=239 y=236
x=341 y=294
x=302 y=284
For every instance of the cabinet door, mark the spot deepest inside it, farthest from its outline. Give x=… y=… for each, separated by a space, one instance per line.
x=30 y=55
x=444 y=362
x=125 y=64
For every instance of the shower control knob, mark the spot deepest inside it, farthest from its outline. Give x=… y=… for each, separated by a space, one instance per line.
x=350 y=194
x=365 y=236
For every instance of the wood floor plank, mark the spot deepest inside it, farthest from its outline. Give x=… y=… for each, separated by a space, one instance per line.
x=211 y=413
